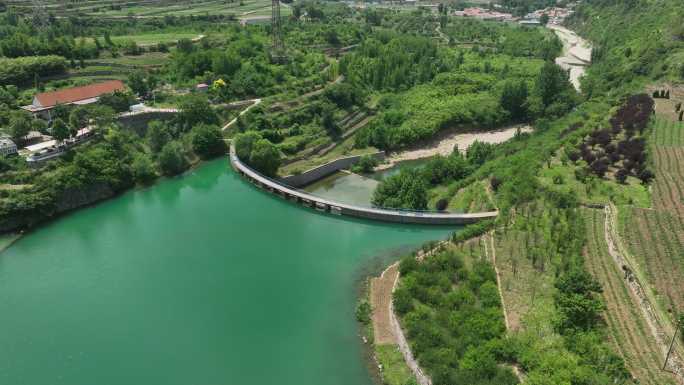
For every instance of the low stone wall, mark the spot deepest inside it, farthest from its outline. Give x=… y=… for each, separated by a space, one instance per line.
x=322 y=171
x=337 y=208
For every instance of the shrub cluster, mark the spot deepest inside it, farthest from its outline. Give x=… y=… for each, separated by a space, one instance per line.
x=452 y=316
x=622 y=146
x=23 y=69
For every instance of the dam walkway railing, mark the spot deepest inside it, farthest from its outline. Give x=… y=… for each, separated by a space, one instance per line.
x=338 y=208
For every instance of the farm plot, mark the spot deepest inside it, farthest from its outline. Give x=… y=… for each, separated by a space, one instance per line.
x=152 y=8
x=527 y=290
x=155 y=38
x=668 y=189
x=655 y=237
x=668 y=133
x=628 y=330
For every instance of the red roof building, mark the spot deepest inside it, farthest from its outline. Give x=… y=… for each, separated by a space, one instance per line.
x=45 y=101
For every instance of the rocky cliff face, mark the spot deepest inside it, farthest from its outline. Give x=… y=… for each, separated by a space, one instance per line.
x=75 y=198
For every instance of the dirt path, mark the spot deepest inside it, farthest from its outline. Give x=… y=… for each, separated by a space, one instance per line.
x=386 y=327
x=380 y=299
x=658 y=331
x=444 y=142
x=421 y=377
x=441 y=34
x=229 y=124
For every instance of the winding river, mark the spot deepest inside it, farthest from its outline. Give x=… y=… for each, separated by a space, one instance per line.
x=201 y=279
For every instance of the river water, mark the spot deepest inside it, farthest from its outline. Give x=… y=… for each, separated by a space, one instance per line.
x=198 y=280
x=576 y=55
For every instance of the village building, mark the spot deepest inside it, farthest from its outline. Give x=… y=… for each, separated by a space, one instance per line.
x=44 y=102
x=7 y=147
x=530 y=22
x=484 y=14
x=41 y=152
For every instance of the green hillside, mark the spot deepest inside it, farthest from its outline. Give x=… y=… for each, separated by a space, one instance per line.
x=636 y=41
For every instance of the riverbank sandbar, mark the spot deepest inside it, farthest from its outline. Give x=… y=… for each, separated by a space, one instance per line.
x=444 y=143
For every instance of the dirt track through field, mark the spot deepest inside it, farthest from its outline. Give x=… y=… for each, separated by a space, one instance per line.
x=381 y=298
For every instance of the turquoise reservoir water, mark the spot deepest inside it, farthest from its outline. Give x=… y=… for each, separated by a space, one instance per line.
x=199 y=280
x=355 y=189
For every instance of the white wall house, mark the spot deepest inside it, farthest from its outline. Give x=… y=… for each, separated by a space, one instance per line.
x=7 y=147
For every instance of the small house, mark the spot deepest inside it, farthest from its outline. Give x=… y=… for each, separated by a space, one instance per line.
x=7 y=147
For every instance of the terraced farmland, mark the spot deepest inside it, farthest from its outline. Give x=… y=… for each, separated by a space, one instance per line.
x=154 y=8
x=668 y=133
x=628 y=329
x=655 y=237
x=527 y=291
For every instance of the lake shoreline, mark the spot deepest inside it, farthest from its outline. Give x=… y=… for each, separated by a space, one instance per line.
x=8 y=239
x=27 y=229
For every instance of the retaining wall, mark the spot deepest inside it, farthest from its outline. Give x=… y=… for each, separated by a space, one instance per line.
x=336 y=208
x=138 y=121
x=322 y=171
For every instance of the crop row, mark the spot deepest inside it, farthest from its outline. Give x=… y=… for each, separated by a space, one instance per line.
x=668 y=191
x=628 y=330
x=655 y=239
x=668 y=133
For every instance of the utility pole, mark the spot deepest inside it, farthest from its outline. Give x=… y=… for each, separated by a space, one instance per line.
x=678 y=325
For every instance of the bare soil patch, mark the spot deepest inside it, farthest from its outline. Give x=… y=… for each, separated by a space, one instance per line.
x=445 y=142
x=381 y=299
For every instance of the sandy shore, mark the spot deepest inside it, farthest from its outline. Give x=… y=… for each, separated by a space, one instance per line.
x=444 y=142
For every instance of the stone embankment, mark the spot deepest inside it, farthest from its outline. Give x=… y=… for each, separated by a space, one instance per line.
x=320 y=172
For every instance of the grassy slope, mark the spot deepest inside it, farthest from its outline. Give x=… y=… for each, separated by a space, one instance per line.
x=394 y=368
x=636 y=41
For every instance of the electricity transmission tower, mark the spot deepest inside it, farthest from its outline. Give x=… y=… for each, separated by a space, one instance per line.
x=278 y=49
x=40 y=15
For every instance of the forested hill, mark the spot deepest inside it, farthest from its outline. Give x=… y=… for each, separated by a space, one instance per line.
x=635 y=41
